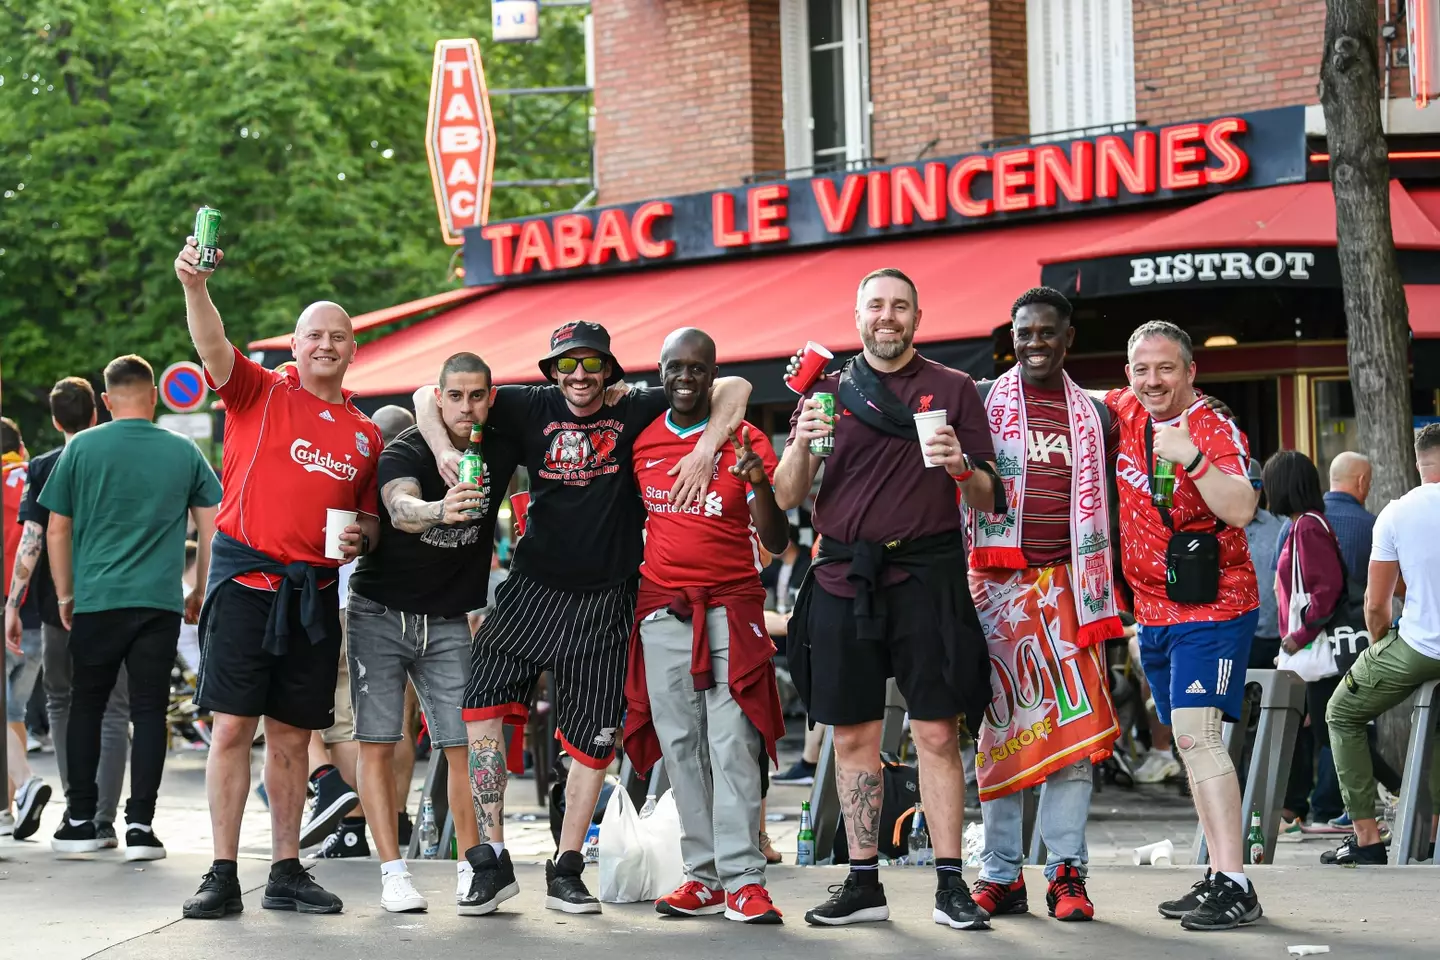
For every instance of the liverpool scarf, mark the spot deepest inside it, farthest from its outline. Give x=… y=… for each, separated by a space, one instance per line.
x=995 y=541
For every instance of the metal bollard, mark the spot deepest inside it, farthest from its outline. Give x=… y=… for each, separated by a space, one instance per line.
x=1412 y=818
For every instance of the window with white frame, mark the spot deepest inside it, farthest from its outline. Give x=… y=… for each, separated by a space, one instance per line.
x=825 y=66
x=1082 y=64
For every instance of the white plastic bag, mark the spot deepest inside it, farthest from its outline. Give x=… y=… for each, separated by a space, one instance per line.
x=639 y=859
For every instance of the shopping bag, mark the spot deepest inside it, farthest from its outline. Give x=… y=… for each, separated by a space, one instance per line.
x=662 y=839
x=624 y=857
x=1315 y=660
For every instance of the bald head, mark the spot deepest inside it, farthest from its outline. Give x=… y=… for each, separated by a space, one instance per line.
x=392 y=421
x=689 y=339
x=1350 y=473
x=322 y=313
x=324 y=346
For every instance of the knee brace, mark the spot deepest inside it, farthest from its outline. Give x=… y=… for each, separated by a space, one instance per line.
x=1197 y=734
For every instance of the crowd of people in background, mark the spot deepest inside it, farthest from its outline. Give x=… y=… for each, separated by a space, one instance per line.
x=661 y=565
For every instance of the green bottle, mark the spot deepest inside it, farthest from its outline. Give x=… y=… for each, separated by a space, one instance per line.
x=1255 y=841
x=805 y=841
x=472 y=465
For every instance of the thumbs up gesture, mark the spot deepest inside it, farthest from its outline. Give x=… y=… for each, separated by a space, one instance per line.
x=1173 y=442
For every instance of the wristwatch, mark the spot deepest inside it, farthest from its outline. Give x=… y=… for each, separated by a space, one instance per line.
x=969 y=469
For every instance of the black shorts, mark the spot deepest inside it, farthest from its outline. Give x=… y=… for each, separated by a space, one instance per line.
x=239 y=678
x=848 y=675
x=583 y=637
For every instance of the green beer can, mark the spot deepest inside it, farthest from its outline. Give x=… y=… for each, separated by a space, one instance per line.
x=1162 y=490
x=824 y=446
x=207 y=236
x=472 y=464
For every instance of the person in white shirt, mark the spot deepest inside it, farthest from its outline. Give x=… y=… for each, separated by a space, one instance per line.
x=1404 y=561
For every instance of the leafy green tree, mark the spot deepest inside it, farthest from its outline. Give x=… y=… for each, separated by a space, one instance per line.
x=303 y=123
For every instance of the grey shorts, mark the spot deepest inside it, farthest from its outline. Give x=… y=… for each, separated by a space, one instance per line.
x=386 y=646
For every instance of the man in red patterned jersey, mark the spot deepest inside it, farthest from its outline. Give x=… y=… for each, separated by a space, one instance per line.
x=295 y=445
x=1044 y=571
x=701 y=683
x=1196 y=600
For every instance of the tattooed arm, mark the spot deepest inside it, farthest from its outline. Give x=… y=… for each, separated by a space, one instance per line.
x=487 y=786
x=860 y=793
x=411 y=514
x=25 y=557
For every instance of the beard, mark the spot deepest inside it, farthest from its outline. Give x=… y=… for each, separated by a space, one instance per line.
x=889 y=349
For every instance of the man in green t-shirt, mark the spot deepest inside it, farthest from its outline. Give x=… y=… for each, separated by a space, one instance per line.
x=118 y=502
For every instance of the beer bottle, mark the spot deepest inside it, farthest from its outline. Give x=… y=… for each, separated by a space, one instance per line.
x=805 y=841
x=1255 y=841
x=472 y=464
x=1163 y=493
x=922 y=854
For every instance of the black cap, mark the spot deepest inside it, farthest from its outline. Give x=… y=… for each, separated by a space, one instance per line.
x=581 y=334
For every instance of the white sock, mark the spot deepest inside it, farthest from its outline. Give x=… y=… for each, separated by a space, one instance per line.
x=1239 y=878
x=392 y=868
x=145 y=827
x=498 y=846
x=462 y=867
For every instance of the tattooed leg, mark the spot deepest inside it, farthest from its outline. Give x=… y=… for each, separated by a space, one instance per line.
x=857 y=779
x=487 y=778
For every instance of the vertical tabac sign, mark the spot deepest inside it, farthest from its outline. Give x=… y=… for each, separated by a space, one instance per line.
x=460 y=138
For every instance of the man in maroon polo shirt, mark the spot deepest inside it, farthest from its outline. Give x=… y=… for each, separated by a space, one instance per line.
x=887 y=596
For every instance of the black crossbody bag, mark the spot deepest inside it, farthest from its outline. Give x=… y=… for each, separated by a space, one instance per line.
x=1192 y=559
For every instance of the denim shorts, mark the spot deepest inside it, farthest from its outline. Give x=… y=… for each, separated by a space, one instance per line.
x=20 y=675
x=386 y=646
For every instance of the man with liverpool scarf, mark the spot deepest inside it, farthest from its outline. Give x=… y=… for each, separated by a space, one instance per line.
x=1042 y=579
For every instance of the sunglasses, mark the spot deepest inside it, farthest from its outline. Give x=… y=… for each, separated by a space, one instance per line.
x=567 y=365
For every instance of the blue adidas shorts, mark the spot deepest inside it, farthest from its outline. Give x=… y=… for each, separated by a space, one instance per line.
x=1198 y=664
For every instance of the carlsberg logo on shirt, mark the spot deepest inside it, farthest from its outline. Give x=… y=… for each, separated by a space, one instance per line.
x=314 y=460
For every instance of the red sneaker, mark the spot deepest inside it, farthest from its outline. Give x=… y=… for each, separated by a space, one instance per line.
x=693 y=899
x=998 y=898
x=751 y=904
x=1067 y=898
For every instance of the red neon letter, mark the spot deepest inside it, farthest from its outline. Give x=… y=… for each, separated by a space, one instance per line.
x=1013 y=169
x=572 y=240
x=1175 y=155
x=612 y=233
x=1073 y=175
x=722 y=222
x=909 y=195
x=1115 y=161
x=768 y=211
x=959 y=188
x=643 y=226
x=501 y=253
x=838 y=213
x=534 y=246
x=1235 y=164
x=878 y=208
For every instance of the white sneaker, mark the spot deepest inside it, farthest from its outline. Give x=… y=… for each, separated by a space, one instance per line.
x=1157 y=767
x=398 y=894
x=7 y=823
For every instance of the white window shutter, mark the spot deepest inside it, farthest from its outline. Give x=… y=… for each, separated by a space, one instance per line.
x=1082 y=63
x=795 y=82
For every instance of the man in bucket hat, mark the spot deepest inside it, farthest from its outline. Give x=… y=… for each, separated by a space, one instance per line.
x=569 y=602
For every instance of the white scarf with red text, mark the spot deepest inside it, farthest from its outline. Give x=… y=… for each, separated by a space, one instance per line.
x=995 y=541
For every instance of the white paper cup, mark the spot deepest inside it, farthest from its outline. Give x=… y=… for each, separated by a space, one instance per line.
x=335 y=523
x=926 y=424
x=1160 y=854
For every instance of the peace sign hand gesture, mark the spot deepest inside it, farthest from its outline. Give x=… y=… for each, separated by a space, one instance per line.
x=748 y=464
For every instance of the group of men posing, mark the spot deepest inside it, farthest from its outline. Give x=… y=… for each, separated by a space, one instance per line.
x=637 y=583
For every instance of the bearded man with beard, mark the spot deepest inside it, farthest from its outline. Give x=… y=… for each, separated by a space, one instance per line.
x=887 y=595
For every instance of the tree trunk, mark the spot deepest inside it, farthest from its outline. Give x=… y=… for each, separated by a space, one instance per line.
x=1375 y=311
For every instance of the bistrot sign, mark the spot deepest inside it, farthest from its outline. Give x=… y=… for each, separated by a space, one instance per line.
x=182 y=387
x=460 y=138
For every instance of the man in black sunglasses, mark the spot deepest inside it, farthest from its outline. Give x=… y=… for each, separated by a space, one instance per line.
x=569 y=602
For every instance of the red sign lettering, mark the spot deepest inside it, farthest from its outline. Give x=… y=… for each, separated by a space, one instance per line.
x=838 y=213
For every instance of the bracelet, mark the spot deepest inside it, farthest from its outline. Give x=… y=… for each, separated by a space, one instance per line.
x=962 y=477
x=1204 y=469
x=1190 y=467
x=61 y=601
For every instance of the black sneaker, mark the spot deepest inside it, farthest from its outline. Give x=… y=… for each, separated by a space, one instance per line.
x=348 y=840
x=1225 y=907
x=1175 y=909
x=143 y=845
x=333 y=799
x=297 y=890
x=565 y=891
x=954 y=907
x=852 y=902
x=1351 y=854
x=219 y=894
x=403 y=829
x=491 y=884
x=800 y=774
x=105 y=833
x=75 y=838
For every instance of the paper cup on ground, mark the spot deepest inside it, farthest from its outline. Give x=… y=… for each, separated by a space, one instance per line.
x=926 y=424
x=813 y=360
x=1160 y=854
x=335 y=523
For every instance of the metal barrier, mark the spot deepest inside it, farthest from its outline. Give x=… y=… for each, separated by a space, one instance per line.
x=1282 y=711
x=824 y=798
x=1412 y=817
x=437 y=778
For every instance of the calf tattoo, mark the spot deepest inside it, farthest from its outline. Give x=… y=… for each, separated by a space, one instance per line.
x=487 y=782
x=860 y=795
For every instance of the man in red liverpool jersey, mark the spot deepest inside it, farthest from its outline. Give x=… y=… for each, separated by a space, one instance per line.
x=1196 y=599
x=295 y=445
x=701 y=684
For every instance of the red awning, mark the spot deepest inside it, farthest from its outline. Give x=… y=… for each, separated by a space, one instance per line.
x=759 y=308
x=379 y=318
x=1424 y=303
x=1298 y=214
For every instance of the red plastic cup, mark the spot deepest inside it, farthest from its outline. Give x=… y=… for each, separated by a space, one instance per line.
x=519 y=503
x=812 y=366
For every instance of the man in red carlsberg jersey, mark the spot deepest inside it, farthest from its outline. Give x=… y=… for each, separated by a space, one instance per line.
x=1196 y=599
x=701 y=682
x=295 y=446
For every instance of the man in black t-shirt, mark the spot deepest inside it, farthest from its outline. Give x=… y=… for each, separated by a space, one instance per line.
x=569 y=602
x=407 y=607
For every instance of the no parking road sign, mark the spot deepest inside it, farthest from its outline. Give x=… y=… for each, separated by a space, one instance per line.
x=182 y=387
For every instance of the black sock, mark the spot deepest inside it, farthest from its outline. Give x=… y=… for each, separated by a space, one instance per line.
x=866 y=870
x=285 y=868
x=569 y=864
x=225 y=866
x=353 y=822
x=946 y=868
